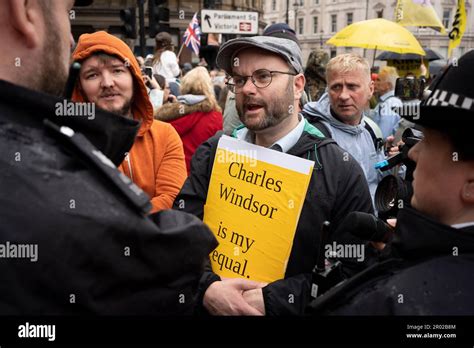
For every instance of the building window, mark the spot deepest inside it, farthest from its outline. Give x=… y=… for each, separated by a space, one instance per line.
x=333 y=23
x=316 y=2
x=300 y=25
x=446 y=17
x=379 y=14
x=333 y=52
x=348 y=49
x=274 y=5
x=349 y=18
x=315 y=25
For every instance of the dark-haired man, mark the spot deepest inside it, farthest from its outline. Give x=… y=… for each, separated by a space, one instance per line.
x=266 y=75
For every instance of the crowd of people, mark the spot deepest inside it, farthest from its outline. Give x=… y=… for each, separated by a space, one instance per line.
x=115 y=205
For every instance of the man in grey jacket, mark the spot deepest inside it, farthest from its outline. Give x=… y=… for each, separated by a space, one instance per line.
x=339 y=113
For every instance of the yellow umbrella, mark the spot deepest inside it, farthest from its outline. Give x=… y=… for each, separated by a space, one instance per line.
x=378 y=34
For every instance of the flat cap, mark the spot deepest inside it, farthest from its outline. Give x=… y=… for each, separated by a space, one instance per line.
x=285 y=48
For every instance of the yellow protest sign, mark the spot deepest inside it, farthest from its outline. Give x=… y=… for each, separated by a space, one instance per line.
x=253 y=205
x=405 y=67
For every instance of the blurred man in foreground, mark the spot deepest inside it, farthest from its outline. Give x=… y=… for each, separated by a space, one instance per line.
x=73 y=237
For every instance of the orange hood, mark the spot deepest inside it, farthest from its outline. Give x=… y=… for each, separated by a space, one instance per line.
x=142 y=109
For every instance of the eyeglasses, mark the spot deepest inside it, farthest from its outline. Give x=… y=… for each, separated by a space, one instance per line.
x=261 y=78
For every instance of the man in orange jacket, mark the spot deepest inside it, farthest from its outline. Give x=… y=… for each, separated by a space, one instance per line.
x=111 y=78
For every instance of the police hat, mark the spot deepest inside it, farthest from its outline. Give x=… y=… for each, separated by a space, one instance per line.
x=282 y=30
x=451 y=102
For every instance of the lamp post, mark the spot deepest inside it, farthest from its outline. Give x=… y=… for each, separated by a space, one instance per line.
x=366 y=17
x=296 y=5
x=287 y=11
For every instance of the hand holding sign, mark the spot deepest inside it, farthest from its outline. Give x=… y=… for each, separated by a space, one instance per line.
x=226 y=297
x=254 y=298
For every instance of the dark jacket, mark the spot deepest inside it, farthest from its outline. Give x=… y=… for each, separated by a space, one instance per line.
x=337 y=187
x=429 y=272
x=97 y=253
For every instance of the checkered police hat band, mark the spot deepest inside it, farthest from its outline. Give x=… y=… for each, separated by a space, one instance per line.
x=445 y=98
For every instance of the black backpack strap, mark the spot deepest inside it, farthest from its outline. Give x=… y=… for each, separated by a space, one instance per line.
x=318 y=123
x=378 y=142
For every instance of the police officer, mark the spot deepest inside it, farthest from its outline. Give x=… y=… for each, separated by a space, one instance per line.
x=429 y=271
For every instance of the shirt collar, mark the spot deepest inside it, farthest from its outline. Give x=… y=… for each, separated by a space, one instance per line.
x=386 y=95
x=463 y=225
x=285 y=143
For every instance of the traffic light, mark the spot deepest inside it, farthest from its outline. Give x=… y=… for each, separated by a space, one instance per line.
x=158 y=17
x=129 y=25
x=209 y=4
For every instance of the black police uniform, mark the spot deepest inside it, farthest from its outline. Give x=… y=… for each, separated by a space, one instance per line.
x=429 y=269
x=97 y=251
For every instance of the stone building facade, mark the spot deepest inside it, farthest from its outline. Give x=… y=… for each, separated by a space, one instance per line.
x=315 y=21
x=105 y=15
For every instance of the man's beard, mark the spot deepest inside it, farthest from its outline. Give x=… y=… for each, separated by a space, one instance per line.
x=122 y=111
x=275 y=111
x=52 y=75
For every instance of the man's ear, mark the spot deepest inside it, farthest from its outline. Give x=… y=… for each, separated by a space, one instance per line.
x=299 y=82
x=371 y=88
x=25 y=17
x=390 y=85
x=468 y=192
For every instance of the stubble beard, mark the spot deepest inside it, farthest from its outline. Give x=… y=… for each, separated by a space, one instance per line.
x=273 y=114
x=52 y=74
x=125 y=110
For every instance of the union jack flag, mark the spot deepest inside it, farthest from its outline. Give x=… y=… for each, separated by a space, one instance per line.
x=192 y=36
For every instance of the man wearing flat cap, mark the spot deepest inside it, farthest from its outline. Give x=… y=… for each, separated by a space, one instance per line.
x=266 y=75
x=429 y=270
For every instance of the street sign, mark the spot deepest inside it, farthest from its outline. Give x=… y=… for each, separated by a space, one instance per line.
x=229 y=22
